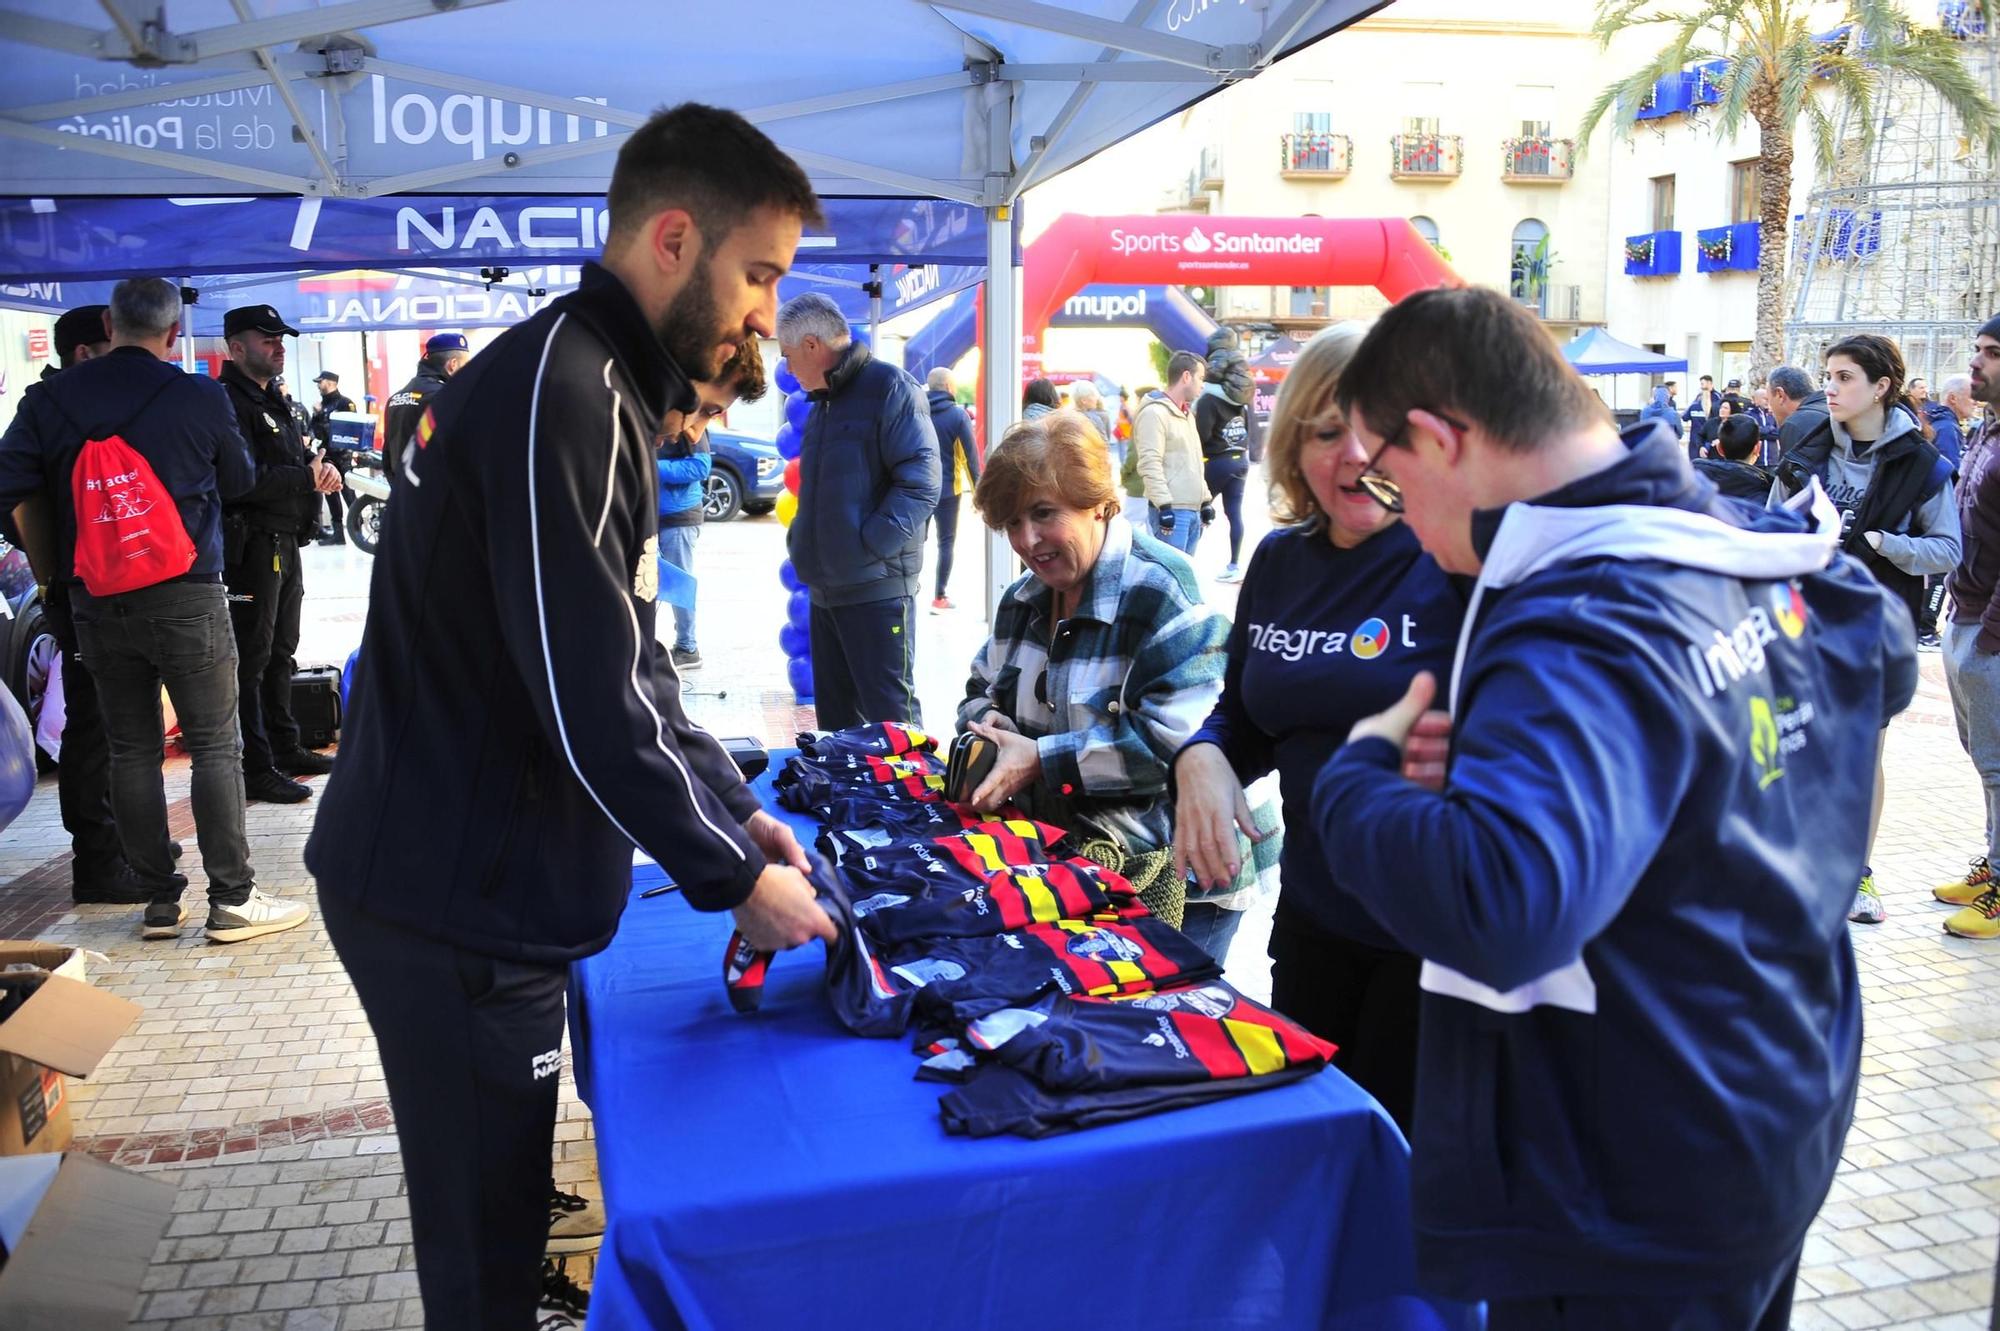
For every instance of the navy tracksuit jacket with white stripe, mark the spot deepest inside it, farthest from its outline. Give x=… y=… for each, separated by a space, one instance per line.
x=514 y=729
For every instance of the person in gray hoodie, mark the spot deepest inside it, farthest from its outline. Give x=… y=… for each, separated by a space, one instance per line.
x=1899 y=515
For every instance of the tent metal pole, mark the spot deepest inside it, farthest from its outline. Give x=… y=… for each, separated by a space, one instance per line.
x=875 y=306
x=1000 y=363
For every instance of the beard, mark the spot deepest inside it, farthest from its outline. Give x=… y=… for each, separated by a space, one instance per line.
x=692 y=329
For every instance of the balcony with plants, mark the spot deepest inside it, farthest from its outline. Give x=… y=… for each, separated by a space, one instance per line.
x=1426 y=156
x=1727 y=249
x=1654 y=254
x=1538 y=160
x=1315 y=156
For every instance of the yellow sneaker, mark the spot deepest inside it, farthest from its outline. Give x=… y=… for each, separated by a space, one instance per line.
x=1979 y=920
x=1964 y=891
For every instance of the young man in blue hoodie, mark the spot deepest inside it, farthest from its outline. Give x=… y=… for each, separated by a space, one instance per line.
x=1641 y=1018
x=684 y=464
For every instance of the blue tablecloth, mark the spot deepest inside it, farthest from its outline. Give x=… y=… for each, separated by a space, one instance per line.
x=772 y=1171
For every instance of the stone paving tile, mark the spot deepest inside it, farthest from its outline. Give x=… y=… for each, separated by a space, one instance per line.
x=252 y=1082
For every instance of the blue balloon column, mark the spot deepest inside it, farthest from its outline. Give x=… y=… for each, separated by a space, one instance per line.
x=796 y=635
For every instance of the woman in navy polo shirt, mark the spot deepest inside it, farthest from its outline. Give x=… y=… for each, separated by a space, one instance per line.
x=1340 y=609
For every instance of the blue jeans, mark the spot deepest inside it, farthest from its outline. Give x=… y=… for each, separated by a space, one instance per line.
x=677 y=548
x=1211 y=928
x=177 y=634
x=1187 y=529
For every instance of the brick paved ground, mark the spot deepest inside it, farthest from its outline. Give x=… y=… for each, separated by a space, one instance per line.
x=252 y=1082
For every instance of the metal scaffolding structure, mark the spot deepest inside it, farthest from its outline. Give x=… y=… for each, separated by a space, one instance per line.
x=1904 y=239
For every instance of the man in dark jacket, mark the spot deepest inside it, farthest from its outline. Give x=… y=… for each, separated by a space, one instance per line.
x=262 y=532
x=1601 y=1138
x=1972 y=639
x=868 y=481
x=515 y=728
x=1735 y=473
x=953 y=429
x=1702 y=416
x=174 y=633
x=1798 y=407
x=98 y=871
x=331 y=399
x=444 y=355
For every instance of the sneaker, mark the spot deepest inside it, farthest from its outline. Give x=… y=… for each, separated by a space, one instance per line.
x=561 y=1296
x=274 y=789
x=1230 y=574
x=122 y=886
x=1929 y=642
x=301 y=762
x=1867 y=907
x=1979 y=920
x=258 y=916
x=940 y=604
x=163 y=920
x=576 y=1224
x=1964 y=891
x=686 y=661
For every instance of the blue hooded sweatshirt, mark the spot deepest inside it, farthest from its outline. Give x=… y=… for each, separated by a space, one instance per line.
x=1641 y=1022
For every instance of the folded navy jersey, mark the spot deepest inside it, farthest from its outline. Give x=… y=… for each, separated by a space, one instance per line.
x=1063 y=1063
x=912 y=867
x=804 y=782
x=886 y=739
x=886 y=821
x=1100 y=956
x=999 y=1099
x=1013 y=898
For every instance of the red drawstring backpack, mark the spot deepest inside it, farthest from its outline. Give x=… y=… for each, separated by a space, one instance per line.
x=129 y=532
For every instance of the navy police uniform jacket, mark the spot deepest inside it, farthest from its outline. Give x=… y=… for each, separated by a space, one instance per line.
x=1641 y=1022
x=515 y=729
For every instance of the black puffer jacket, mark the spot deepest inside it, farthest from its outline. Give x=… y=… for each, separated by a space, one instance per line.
x=1230 y=368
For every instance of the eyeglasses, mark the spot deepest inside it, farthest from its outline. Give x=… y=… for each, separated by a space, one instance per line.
x=1379 y=487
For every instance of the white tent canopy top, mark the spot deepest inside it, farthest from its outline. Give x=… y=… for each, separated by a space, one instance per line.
x=971 y=100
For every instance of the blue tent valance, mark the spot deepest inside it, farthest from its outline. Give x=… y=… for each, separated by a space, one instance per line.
x=1594 y=351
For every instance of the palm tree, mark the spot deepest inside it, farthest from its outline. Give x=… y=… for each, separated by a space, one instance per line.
x=1773 y=69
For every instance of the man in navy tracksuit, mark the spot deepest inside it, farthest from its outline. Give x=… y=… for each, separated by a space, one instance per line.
x=868 y=485
x=515 y=728
x=1641 y=1025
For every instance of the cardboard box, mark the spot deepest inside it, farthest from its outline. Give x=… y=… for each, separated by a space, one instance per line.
x=67 y=1027
x=79 y=1235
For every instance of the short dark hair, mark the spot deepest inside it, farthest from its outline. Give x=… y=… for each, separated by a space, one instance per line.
x=1738 y=438
x=1468 y=352
x=744 y=371
x=1790 y=380
x=1708 y=378
x=712 y=163
x=1181 y=362
x=1041 y=392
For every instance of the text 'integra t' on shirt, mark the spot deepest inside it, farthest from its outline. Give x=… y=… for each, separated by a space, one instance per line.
x=1324 y=637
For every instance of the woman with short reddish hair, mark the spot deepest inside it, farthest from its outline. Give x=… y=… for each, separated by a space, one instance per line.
x=1103 y=659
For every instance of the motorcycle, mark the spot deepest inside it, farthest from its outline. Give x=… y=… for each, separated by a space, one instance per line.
x=368 y=498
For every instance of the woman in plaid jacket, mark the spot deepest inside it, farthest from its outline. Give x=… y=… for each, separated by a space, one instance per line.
x=1103 y=659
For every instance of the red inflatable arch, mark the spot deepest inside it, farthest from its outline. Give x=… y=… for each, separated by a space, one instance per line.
x=1184 y=249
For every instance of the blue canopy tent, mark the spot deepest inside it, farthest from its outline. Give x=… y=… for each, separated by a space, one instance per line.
x=1594 y=351
x=970 y=101
x=905 y=253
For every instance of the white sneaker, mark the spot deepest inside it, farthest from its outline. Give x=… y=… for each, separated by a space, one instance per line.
x=1230 y=574
x=258 y=916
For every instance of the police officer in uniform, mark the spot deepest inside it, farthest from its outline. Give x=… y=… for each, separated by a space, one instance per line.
x=262 y=532
x=331 y=399
x=443 y=355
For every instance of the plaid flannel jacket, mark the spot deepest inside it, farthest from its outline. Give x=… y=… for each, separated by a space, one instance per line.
x=1130 y=677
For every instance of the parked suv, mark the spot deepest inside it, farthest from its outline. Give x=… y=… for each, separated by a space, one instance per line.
x=747 y=476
